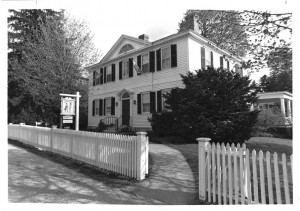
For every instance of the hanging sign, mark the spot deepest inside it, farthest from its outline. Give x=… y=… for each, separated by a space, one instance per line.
x=67 y=106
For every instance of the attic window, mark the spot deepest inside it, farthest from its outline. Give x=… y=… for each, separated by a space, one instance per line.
x=125 y=48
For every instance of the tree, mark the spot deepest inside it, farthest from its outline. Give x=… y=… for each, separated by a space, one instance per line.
x=221 y=27
x=214 y=104
x=281 y=81
x=49 y=65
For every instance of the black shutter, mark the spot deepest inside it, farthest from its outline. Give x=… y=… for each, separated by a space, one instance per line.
x=93 y=108
x=202 y=58
x=212 y=58
x=221 y=62
x=139 y=104
x=130 y=67
x=158 y=60
x=101 y=76
x=104 y=107
x=120 y=70
x=174 y=55
x=139 y=61
x=152 y=102
x=227 y=65
x=104 y=75
x=159 y=105
x=152 y=61
x=112 y=106
x=100 y=107
x=113 y=72
x=94 y=77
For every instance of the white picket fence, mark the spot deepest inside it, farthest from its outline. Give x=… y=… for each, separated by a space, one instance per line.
x=127 y=155
x=233 y=175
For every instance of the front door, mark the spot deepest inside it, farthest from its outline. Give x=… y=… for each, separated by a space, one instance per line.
x=125 y=112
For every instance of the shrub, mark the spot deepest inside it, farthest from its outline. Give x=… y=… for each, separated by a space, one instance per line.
x=214 y=104
x=101 y=127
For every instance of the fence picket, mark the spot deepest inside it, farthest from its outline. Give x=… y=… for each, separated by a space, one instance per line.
x=269 y=177
x=236 y=189
x=248 y=181
x=208 y=167
x=285 y=180
x=230 y=193
x=242 y=177
x=224 y=174
x=213 y=166
x=255 y=183
x=219 y=174
x=277 y=181
x=262 y=178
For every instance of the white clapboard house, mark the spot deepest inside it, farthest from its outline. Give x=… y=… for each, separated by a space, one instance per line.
x=128 y=84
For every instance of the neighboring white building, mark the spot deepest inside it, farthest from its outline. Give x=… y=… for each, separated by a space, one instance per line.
x=282 y=100
x=119 y=95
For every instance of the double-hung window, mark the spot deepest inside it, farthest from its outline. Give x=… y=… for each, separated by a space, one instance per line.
x=108 y=74
x=163 y=99
x=125 y=70
x=107 y=106
x=145 y=63
x=166 y=57
x=207 y=57
x=146 y=102
x=97 y=107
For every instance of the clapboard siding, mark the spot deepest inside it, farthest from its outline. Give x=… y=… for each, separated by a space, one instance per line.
x=158 y=80
x=194 y=47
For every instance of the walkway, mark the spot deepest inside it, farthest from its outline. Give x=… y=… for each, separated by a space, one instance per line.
x=38 y=176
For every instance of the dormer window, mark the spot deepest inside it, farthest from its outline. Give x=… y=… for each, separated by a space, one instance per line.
x=126 y=48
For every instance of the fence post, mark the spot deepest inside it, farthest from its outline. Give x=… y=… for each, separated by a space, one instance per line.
x=141 y=155
x=202 y=146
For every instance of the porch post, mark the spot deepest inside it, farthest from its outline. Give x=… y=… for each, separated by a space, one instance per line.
x=202 y=146
x=289 y=113
x=282 y=106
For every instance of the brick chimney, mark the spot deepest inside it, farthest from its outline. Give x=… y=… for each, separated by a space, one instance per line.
x=144 y=37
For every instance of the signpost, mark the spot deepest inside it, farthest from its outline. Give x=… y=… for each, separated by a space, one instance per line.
x=68 y=108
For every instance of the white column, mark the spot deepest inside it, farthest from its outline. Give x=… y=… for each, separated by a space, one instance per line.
x=141 y=155
x=282 y=106
x=77 y=110
x=289 y=113
x=202 y=146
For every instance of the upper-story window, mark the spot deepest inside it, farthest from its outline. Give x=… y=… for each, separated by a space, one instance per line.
x=125 y=48
x=145 y=63
x=108 y=74
x=125 y=70
x=166 y=57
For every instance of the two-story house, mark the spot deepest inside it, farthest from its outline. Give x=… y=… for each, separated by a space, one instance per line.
x=128 y=84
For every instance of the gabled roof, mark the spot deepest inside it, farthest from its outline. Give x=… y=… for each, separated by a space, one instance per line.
x=120 y=41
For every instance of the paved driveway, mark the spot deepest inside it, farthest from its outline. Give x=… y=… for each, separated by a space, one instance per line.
x=38 y=176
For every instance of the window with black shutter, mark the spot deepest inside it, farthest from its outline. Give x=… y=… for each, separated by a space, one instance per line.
x=227 y=65
x=93 y=108
x=104 y=75
x=101 y=107
x=203 y=58
x=158 y=59
x=152 y=61
x=139 y=61
x=113 y=72
x=174 y=55
x=101 y=76
x=104 y=107
x=212 y=59
x=112 y=106
x=130 y=67
x=139 y=104
x=120 y=70
x=152 y=102
x=159 y=105
x=94 y=78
